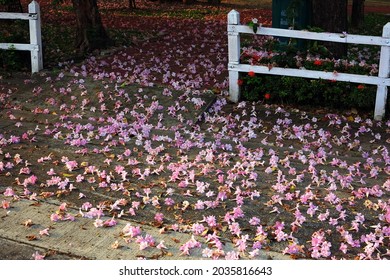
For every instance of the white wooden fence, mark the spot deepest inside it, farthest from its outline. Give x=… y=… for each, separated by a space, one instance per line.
x=35 y=46
x=382 y=80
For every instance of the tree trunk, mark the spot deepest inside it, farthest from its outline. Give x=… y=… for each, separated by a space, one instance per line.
x=90 y=34
x=332 y=16
x=357 y=16
x=132 y=5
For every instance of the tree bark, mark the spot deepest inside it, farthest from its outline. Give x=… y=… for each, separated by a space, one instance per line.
x=331 y=16
x=90 y=34
x=132 y=4
x=357 y=15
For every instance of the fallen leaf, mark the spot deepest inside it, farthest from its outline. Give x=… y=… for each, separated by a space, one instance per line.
x=31 y=237
x=28 y=223
x=36 y=204
x=115 y=245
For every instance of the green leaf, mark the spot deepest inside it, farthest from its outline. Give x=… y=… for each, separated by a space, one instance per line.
x=255 y=26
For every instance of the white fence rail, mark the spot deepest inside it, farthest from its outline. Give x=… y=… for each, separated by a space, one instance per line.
x=35 y=46
x=382 y=81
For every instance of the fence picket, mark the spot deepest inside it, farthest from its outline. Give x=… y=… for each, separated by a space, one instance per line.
x=35 y=37
x=384 y=72
x=234 y=54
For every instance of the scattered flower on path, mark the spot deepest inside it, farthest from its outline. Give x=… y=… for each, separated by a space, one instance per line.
x=5 y=204
x=235 y=170
x=38 y=256
x=9 y=192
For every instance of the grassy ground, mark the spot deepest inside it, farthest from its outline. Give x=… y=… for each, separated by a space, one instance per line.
x=56 y=37
x=376 y=2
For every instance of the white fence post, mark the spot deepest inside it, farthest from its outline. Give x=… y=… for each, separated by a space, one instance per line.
x=384 y=72
x=234 y=54
x=35 y=37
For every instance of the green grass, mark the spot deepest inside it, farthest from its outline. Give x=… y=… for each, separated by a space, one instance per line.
x=373 y=25
x=58 y=39
x=261 y=4
x=189 y=13
x=58 y=43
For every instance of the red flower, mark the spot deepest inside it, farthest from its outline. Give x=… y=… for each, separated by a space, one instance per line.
x=240 y=82
x=251 y=74
x=360 y=87
x=317 y=62
x=267 y=96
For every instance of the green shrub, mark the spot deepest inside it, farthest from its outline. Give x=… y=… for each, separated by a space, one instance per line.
x=13 y=32
x=302 y=91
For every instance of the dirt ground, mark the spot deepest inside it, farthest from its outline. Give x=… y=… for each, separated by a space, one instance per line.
x=233 y=174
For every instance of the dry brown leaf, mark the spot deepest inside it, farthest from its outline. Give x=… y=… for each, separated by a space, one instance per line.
x=28 y=223
x=31 y=237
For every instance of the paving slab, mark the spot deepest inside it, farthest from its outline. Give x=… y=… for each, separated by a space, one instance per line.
x=20 y=229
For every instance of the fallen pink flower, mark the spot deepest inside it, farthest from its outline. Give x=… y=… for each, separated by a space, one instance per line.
x=51 y=172
x=235 y=229
x=131 y=231
x=9 y=192
x=38 y=256
x=62 y=207
x=198 y=229
x=192 y=243
x=110 y=223
x=143 y=245
x=32 y=180
x=86 y=206
x=161 y=245
x=387 y=215
x=159 y=217
x=68 y=217
x=232 y=255
x=44 y=232
x=254 y=221
x=293 y=249
x=5 y=204
x=98 y=223
x=25 y=170
x=343 y=248
x=54 y=217
x=210 y=220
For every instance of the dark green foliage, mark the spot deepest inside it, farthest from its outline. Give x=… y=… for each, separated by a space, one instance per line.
x=12 y=60
x=301 y=91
